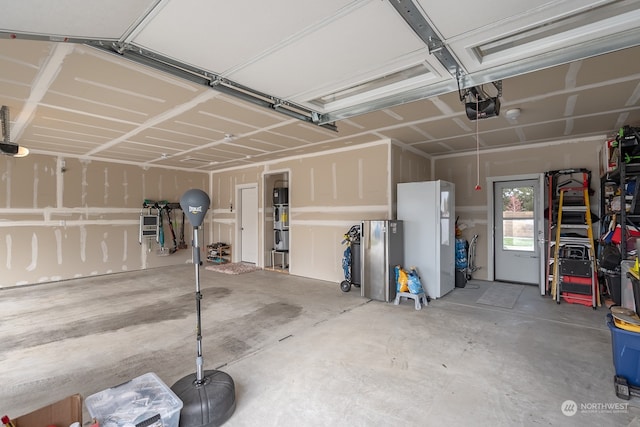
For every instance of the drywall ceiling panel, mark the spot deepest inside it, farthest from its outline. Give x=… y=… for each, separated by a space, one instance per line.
x=37 y=141
x=131 y=154
x=152 y=151
x=204 y=159
x=347 y=127
x=488 y=125
x=632 y=118
x=277 y=139
x=64 y=135
x=408 y=135
x=132 y=151
x=238 y=149
x=319 y=148
x=13 y=93
x=244 y=112
x=25 y=52
x=79 y=122
x=543 y=109
x=271 y=143
x=180 y=131
x=546 y=30
x=496 y=138
x=306 y=132
x=613 y=66
x=592 y=125
x=220 y=36
x=388 y=118
x=99 y=85
x=436 y=148
x=216 y=151
x=270 y=157
x=258 y=147
x=548 y=81
x=20 y=61
x=541 y=132
x=198 y=159
x=89 y=105
x=359 y=139
x=258 y=144
x=606 y=98
x=445 y=127
x=168 y=138
x=418 y=110
x=203 y=117
x=106 y=19
x=57 y=130
x=154 y=137
x=233 y=164
x=311 y=61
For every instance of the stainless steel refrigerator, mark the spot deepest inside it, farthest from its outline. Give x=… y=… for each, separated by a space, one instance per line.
x=381 y=249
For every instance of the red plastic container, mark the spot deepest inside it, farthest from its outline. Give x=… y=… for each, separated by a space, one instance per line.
x=572 y=298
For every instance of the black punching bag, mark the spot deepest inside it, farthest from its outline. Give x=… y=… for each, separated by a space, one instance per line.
x=208 y=397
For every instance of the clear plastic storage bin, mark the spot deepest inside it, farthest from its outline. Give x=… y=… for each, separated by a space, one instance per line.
x=144 y=401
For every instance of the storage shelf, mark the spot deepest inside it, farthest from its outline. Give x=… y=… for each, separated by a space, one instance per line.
x=219 y=254
x=629 y=169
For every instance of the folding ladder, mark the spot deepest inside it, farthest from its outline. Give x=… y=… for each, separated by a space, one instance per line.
x=574 y=263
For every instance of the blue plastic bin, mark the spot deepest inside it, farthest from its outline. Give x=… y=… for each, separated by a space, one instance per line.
x=626 y=352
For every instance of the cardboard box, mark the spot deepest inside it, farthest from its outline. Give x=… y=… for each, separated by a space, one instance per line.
x=60 y=414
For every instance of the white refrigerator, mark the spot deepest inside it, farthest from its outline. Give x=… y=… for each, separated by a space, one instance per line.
x=427 y=210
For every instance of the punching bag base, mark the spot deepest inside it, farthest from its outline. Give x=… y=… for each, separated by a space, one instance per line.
x=207 y=404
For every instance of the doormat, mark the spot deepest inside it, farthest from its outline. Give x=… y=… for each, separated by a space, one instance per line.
x=502 y=295
x=233 y=268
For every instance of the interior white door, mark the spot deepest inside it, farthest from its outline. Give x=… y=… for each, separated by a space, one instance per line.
x=249 y=225
x=517 y=253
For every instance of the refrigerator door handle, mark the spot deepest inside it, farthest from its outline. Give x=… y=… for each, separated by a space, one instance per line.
x=365 y=241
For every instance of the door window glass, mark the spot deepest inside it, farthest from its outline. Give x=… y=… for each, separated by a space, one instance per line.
x=518 y=228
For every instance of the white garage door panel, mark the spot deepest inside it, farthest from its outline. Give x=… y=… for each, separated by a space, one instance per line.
x=552 y=28
x=220 y=35
x=343 y=48
x=471 y=15
x=105 y=19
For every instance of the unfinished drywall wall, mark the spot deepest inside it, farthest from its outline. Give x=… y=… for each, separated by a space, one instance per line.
x=224 y=204
x=471 y=205
x=328 y=193
x=67 y=218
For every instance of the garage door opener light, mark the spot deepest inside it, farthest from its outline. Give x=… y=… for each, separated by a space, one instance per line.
x=6 y=146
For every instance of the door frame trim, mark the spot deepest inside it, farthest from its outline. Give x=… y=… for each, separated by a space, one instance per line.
x=491 y=223
x=236 y=250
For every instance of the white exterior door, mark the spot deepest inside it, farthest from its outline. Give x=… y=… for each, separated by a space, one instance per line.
x=517 y=252
x=249 y=224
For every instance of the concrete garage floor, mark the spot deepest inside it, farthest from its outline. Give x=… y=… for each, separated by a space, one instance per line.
x=303 y=353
